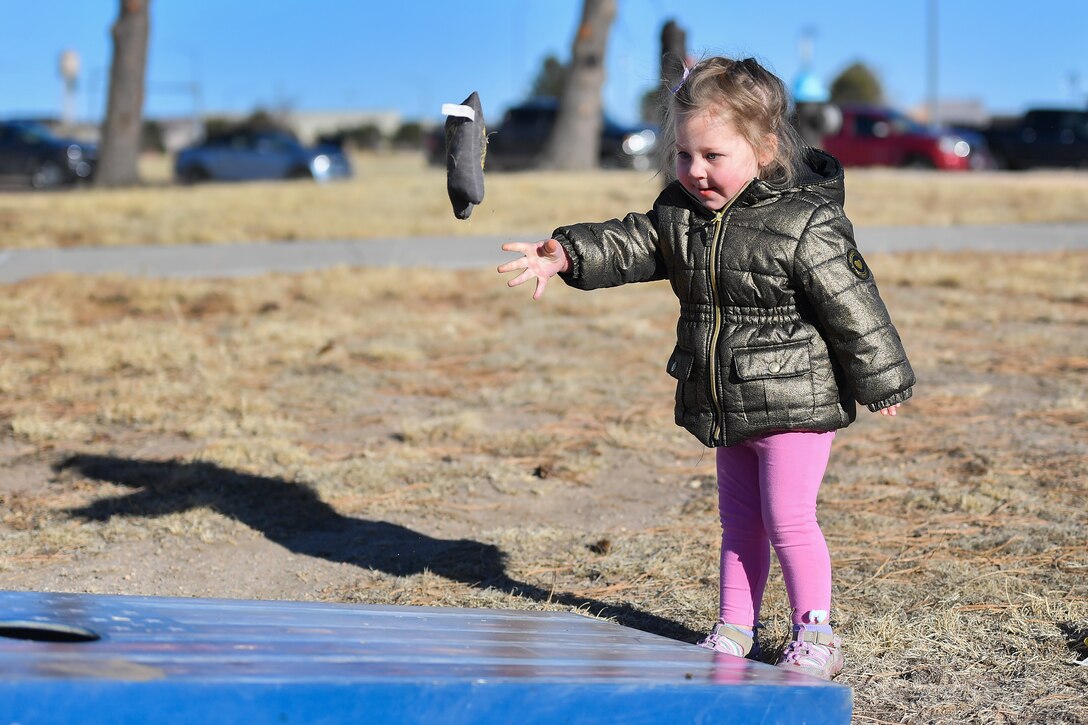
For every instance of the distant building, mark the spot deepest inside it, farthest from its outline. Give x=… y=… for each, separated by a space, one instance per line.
x=180 y=131
x=956 y=112
x=176 y=132
x=309 y=125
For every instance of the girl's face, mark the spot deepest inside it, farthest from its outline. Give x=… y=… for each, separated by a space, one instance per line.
x=713 y=161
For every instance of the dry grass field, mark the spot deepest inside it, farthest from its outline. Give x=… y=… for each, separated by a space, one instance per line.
x=395 y=196
x=431 y=437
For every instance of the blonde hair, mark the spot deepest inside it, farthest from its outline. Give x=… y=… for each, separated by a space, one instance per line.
x=752 y=98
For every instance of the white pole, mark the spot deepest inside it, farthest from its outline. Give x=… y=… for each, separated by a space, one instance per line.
x=932 y=63
x=69 y=71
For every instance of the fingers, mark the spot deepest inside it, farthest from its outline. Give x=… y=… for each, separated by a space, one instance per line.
x=541 y=282
x=519 y=263
x=523 y=277
x=523 y=247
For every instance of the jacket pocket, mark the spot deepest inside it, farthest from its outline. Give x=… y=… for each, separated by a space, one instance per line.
x=680 y=364
x=775 y=386
x=779 y=361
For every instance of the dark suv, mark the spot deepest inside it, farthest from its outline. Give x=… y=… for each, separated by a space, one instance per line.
x=1043 y=137
x=519 y=141
x=31 y=154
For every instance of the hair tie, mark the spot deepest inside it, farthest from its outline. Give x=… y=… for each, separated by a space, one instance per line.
x=687 y=72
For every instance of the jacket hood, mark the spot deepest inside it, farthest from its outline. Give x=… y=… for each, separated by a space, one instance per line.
x=821 y=173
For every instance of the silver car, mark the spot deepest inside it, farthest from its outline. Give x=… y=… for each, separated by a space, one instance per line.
x=243 y=155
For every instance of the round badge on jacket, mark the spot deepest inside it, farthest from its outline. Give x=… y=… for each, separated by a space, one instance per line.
x=858 y=265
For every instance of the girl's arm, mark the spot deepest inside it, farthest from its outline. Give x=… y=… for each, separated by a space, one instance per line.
x=855 y=323
x=608 y=254
x=591 y=256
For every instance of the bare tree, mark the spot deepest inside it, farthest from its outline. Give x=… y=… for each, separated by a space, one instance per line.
x=120 y=148
x=674 y=56
x=674 y=53
x=576 y=139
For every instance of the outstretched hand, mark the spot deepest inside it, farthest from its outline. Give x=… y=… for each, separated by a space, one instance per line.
x=540 y=260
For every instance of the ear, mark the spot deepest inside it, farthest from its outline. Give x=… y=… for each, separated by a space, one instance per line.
x=767 y=150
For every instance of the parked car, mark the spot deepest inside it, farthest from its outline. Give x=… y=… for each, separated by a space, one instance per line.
x=1042 y=137
x=31 y=154
x=877 y=136
x=521 y=136
x=981 y=157
x=246 y=154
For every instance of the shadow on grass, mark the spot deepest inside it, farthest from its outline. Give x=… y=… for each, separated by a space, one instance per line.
x=293 y=516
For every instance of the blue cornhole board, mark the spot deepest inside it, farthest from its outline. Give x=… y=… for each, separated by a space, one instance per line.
x=159 y=660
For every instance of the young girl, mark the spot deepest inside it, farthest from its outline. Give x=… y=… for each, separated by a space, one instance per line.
x=781 y=330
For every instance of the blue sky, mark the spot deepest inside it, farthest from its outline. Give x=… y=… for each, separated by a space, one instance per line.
x=412 y=56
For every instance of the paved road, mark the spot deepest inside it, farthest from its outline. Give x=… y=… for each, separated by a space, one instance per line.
x=235 y=260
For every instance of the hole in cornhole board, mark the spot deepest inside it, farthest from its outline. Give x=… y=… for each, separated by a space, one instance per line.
x=46 y=632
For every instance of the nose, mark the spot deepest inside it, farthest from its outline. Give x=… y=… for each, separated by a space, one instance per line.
x=696 y=168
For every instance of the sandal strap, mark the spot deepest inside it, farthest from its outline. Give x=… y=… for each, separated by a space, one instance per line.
x=816 y=637
x=725 y=631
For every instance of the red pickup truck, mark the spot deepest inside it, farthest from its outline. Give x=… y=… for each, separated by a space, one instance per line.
x=876 y=136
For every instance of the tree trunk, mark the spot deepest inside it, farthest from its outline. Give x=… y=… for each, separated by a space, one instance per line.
x=120 y=147
x=674 y=53
x=575 y=142
x=674 y=58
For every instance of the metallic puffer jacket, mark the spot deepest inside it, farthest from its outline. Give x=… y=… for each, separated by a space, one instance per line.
x=781 y=325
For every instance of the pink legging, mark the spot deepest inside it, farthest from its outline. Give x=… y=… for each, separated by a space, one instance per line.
x=767 y=490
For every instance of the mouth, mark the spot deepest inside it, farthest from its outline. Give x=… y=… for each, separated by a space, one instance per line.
x=708 y=193
x=708 y=196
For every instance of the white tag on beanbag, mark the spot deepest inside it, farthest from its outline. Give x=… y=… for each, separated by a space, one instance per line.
x=459 y=111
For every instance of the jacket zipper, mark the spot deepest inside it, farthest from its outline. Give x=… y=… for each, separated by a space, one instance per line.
x=716 y=306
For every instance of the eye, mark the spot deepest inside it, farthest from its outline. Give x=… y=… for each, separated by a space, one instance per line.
x=684 y=155
x=712 y=156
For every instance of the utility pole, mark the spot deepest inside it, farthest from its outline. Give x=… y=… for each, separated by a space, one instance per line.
x=932 y=63
x=1073 y=79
